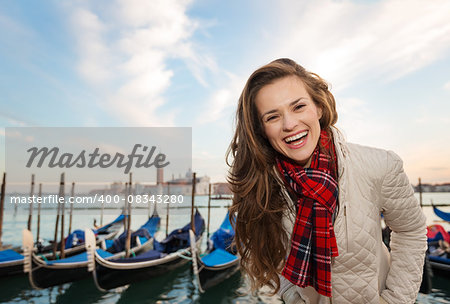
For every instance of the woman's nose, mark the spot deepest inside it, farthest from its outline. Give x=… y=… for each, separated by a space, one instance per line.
x=289 y=122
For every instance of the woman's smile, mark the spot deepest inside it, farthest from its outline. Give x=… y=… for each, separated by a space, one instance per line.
x=290 y=118
x=297 y=140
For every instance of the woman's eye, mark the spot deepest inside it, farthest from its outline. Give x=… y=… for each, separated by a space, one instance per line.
x=299 y=106
x=271 y=117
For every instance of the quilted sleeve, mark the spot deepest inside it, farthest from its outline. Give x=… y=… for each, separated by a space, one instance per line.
x=404 y=216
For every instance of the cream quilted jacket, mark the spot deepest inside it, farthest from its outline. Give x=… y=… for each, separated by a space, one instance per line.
x=372 y=181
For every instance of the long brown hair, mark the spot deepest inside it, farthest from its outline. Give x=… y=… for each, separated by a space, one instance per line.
x=257 y=202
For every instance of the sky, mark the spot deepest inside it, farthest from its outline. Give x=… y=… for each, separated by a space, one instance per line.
x=184 y=63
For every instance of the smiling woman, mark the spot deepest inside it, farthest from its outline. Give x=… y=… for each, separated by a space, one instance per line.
x=290 y=118
x=308 y=203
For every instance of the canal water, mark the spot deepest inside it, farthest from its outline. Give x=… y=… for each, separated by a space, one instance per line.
x=173 y=287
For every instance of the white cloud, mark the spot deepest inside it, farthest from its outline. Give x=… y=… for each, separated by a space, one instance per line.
x=124 y=49
x=344 y=41
x=447 y=86
x=94 y=51
x=347 y=42
x=221 y=99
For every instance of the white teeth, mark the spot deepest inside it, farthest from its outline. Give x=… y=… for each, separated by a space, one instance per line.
x=295 y=137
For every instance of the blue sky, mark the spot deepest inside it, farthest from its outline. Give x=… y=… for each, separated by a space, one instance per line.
x=184 y=63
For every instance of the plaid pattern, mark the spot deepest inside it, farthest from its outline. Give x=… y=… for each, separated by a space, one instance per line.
x=313 y=242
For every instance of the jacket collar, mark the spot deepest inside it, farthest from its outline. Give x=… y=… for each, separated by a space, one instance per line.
x=340 y=145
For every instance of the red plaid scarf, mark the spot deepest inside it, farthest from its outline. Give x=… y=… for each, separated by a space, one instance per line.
x=313 y=242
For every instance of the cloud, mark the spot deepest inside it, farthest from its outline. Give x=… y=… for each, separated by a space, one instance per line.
x=222 y=99
x=11 y=25
x=124 y=50
x=447 y=86
x=345 y=41
x=14 y=134
x=94 y=52
x=11 y=120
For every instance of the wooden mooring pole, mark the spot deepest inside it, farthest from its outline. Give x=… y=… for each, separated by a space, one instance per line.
x=167 y=208
x=63 y=209
x=58 y=214
x=102 y=210
x=420 y=192
x=72 y=193
x=125 y=209
x=30 y=213
x=39 y=215
x=2 y=205
x=209 y=211
x=193 y=201
x=128 y=240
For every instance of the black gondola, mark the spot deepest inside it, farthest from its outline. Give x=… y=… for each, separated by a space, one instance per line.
x=44 y=273
x=220 y=262
x=171 y=253
x=439 y=249
x=445 y=216
x=12 y=262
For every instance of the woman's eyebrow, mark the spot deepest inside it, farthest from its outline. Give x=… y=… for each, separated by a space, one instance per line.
x=268 y=112
x=295 y=101
x=292 y=103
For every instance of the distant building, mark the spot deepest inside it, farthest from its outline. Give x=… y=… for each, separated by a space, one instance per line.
x=175 y=186
x=433 y=188
x=182 y=185
x=114 y=188
x=159 y=176
x=222 y=189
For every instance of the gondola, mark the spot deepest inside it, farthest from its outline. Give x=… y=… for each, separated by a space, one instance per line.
x=43 y=273
x=440 y=264
x=11 y=261
x=442 y=214
x=170 y=253
x=74 y=242
x=438 y=251
x=220 y=261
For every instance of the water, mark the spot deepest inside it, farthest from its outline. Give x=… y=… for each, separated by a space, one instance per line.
x=173 y=287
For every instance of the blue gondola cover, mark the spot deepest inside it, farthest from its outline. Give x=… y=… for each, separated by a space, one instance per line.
x=74 y=239
x=145 y=232
x=146 y=256
x=9 y=255
x=179 y=238
x=223 y=237
x=218 y=257
x=104 y=228
x=442 y=214
x=82 y=257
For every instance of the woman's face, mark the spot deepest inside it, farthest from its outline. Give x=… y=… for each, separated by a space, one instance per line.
x=290 y=118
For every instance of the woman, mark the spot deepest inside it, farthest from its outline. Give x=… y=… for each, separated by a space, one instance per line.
x=308 y=203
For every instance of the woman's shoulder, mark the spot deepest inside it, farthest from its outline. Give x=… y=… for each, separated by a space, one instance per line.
x=363 y=154
x=375 y=162
x=372 y=154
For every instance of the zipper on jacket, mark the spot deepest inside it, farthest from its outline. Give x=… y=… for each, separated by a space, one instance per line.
x=347 y=228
